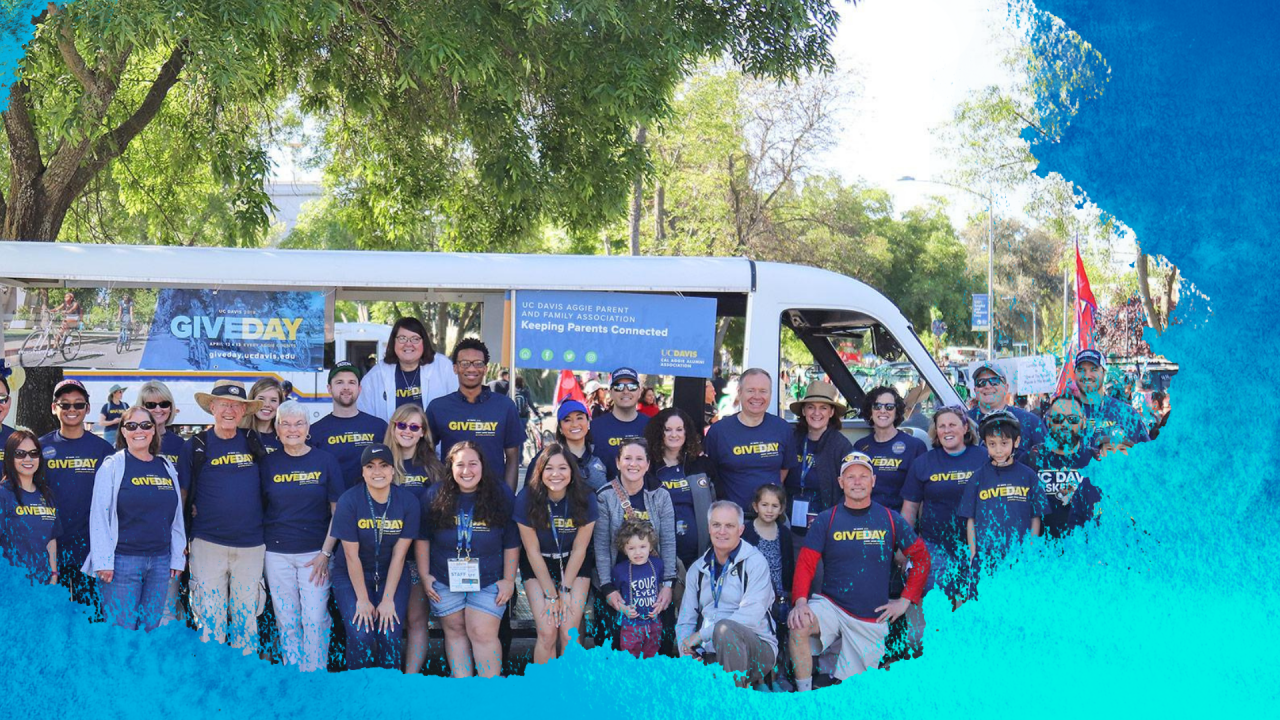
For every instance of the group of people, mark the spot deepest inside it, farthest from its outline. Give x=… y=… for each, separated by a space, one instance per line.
x=759 y=546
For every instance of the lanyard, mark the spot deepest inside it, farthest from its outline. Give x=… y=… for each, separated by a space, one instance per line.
x=806 y=465
x=555 y=534
x=717 y=583
x=464 y=532
x=378 y=523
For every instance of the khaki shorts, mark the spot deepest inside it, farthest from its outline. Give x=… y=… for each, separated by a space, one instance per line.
x=861 y=642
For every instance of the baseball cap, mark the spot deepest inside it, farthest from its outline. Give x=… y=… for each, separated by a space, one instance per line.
x=623 y=373
x=999 y=372
x=856 y=458
x=376 y=451
x=570 y=406
x=344 y=366
x=1089 y=355
x=67 y=386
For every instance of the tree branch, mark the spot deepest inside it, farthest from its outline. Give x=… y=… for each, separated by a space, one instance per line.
x=71 y=56
x=24 y=145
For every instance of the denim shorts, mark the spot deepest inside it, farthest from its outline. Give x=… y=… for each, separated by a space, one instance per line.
x=485 y=600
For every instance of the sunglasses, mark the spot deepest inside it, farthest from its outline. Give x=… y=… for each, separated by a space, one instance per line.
x=21 y=454
x=884 y=406
x=988 y=382
x=626 y=387
x=411 y=427
x=144 y=425
x=1059 y=418
x=4 y=399
x=73 y=406
x=162 y=404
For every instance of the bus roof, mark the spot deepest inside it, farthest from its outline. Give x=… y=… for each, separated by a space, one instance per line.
x=72 y=265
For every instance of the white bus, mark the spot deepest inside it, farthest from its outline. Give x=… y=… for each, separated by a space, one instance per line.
x=821 y=309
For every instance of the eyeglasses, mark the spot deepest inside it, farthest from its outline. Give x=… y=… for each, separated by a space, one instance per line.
x=884 y=406
x=162 y=404
x=73 y=406
x=21 y=454
x=408 y=340
x=1059 y=418
x=144 y=425
x=988 y=382
x=626 y=387
x=467 y=364
x=411 y=427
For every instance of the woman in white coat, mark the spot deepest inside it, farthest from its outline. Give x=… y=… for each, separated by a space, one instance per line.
x=136 y=535
x=411 y=372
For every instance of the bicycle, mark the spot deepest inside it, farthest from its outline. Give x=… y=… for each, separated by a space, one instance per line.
x=125 y=339
x=42 y=343
x=535 y=437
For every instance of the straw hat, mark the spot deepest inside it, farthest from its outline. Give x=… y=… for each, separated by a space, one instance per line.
x=228 y=390
x=820 y=392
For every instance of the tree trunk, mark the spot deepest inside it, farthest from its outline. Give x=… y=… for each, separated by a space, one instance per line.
x=637 y=198
x=1144 y=290
x=659 y=212
x=1169 y=298
x=35 y=397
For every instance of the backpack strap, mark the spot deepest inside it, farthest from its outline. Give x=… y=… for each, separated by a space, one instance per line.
x=199 y=455
x=622 y=498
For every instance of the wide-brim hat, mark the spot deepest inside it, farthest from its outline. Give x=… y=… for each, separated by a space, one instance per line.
x=820 y=391
x=228 y=390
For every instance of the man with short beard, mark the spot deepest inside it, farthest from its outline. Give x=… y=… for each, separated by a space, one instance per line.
x=1059 y=462
x=1110 y=423
x=346 y=431
x=622 y=421
x=71 y=458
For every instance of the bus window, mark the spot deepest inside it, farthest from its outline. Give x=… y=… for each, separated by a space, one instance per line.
x=855 y=353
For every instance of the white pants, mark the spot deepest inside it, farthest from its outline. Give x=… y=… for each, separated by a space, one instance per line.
x=227 y=579
x=302 y=610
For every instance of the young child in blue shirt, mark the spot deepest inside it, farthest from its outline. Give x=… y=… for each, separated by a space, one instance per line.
x=638 y=579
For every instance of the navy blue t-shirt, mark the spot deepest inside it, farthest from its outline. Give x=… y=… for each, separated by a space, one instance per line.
x=112 y=411
x=639 y=586
x=346 y=439
x=354 y=521
x=5 y=432
x=1071 y=497
x=1002 y=501
x=145 y=508
x=228 y=499
x=26 y=529
x=270 y=442
x=491 y=422
x=416 y=479
x=487 y=543
x=408 y=386
x=857 y=548
x=608 y=432
x=677 y=486
x=171 y=446
x=748 y=457
x=296 y=492
x=892 y=460
x=69 y=467
x=937 y=481
x=1112 y=420
x=562 y=519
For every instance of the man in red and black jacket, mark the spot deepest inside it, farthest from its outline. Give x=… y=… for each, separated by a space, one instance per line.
x=856 y=542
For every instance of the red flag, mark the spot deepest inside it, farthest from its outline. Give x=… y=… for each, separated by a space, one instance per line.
x=567 y=387
x=1086 y=311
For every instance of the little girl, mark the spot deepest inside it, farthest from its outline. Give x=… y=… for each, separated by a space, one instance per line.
x=774 y=542
x=638 y=579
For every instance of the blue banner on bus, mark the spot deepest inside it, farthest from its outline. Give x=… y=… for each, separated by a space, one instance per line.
x=236 y=330
x=654 y=334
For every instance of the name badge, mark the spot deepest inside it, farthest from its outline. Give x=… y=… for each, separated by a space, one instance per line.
x=800 y=513
x=464 y=575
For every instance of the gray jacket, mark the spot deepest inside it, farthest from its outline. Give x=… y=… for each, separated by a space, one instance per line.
x=661 y=515
x=746 y=598
x=104 y=523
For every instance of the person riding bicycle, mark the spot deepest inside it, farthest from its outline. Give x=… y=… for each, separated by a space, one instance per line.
x=124 y=315
x=70 y=312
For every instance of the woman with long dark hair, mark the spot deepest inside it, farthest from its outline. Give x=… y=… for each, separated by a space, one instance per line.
x=679 y=467
x=467 y=556
x=137 y=539
x=411 y=372
x=556 y=514
x=414 y=449
x=29 y=523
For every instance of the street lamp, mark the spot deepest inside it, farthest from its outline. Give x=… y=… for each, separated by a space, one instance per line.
x=991 y=304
